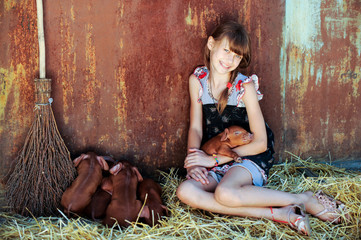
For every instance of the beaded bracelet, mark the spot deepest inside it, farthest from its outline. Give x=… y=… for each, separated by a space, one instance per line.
x=215 y=158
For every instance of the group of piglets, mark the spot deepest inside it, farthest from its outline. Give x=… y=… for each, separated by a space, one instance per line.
x=115 y=191
x=112 y=191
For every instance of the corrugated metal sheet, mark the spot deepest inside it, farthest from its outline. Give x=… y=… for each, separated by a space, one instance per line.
x=120 y=70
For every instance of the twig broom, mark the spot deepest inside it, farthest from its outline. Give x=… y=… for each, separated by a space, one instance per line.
x=43 y=167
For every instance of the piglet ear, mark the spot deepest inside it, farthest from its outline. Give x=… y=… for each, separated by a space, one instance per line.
x=139 y=176
x=77 y=160
x=116 y=169
x=107 y=185
x=103 y=163
x=145 y=212
x=165 y=209
x=225 y=135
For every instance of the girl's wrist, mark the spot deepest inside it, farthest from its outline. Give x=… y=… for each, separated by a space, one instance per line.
x=215 y=159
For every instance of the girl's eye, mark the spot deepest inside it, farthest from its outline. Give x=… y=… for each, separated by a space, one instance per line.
x=238 y=56
x=226 y=50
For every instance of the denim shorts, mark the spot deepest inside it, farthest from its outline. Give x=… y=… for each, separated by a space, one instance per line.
x=258 y=176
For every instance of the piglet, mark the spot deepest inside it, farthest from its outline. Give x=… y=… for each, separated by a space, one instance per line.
x=124 y=204
x=79 y=194
x=154 y=209
x=100 y=200
x=223 y=143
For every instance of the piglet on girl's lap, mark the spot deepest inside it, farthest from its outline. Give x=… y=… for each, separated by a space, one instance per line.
x=231 y=137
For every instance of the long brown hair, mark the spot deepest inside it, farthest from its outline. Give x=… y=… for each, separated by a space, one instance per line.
x=240 y=43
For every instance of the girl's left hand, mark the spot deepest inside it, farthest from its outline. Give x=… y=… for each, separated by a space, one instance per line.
x=197 y=157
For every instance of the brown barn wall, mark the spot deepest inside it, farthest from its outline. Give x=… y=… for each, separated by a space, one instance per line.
x=120 y=70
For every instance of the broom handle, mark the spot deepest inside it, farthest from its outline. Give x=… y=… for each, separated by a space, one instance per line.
x=39 y=10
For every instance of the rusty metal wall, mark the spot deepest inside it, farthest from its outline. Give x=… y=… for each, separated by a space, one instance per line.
x=120 y=70
x=320 y=75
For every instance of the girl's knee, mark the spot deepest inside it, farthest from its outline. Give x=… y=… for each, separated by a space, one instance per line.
x=228 y=196
x=185 y=191
x=222 y=194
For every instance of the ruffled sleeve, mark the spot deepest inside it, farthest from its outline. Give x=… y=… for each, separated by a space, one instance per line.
x=240 y=89
x=200 y=73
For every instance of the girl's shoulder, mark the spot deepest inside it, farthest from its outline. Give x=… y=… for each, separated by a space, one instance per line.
x=201 y=72
x=242 y=79
x=239 y=83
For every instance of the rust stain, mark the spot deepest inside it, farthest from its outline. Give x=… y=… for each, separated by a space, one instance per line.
x=120 y=105
x=72 y=13
x=103 y=139
x=207 y=15
x=18 y=68
x=339 y=137
x=191 y=18
x=6 y=83
x=198 y=18
x=68 y=69
x=9 y=4
x=92 y=84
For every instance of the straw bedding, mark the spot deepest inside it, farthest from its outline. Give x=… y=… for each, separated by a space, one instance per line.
x=189 y=223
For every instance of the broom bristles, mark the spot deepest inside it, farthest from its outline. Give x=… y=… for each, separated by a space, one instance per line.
x=43 y=168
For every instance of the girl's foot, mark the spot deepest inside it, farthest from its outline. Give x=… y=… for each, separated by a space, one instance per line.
x=324 y=207
x=296 y=218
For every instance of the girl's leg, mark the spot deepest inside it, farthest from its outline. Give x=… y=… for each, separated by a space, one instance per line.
x=236 y=189
x=201 y=196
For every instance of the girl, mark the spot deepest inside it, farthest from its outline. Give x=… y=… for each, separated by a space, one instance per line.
x=220 y=97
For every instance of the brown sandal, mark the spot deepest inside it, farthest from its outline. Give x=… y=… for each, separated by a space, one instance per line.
x=331 y=206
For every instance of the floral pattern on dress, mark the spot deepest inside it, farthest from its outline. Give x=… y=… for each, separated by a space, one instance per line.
x=200 y=73
x=241 y=90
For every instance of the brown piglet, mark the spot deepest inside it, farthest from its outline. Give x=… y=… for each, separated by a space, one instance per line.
x=150 y=192
x=124 y=205
x=223 y=143
x=100 y=201
x=79 y=194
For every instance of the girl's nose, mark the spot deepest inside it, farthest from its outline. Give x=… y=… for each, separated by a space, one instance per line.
x=231 y=57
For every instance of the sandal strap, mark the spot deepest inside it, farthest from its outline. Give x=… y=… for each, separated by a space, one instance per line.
x=301 y=225
x=275 y=220
x=322 y=212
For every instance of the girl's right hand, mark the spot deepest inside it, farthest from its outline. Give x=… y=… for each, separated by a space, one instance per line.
x=197 y=157
x=200 y=174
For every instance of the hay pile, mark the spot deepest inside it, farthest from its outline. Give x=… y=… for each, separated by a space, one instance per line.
x=189 y=223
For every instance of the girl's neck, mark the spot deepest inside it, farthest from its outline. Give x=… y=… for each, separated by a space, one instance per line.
x=219 y=80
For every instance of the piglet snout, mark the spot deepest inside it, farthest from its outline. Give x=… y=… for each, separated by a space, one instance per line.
x=247 y=138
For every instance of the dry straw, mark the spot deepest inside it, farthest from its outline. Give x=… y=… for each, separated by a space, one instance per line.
x=189 y=223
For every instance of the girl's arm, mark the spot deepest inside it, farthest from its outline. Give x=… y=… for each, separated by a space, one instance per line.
x=256 y=123
x=197 y=171
x=195 y=132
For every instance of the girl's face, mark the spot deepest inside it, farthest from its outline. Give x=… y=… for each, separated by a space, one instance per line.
x=222 y=59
